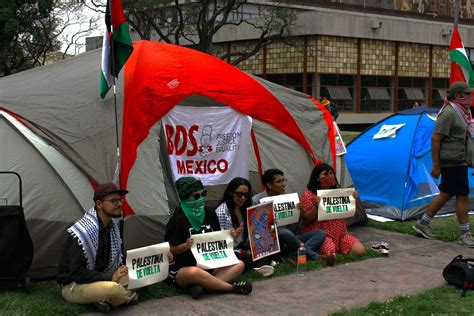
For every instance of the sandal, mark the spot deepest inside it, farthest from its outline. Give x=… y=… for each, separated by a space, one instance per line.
x=381 y=247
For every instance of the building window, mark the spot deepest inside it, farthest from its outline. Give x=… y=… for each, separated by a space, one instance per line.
x=375 y=94
x=410 y=89
x=339 y=89
x=440 y=90
x=292 y=81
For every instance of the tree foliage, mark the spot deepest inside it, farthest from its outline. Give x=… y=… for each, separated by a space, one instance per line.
x=30 y=30
x=196 y=23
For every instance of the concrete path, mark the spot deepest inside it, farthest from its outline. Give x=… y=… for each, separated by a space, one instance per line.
x=414 y=264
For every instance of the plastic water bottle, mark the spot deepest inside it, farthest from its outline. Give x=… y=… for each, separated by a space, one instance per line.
x=301 y=261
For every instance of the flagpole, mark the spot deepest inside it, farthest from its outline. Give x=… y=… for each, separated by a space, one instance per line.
x=117 y=140
x=457 y=8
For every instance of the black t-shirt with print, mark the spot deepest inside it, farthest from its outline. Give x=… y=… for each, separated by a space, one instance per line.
x=179 y=229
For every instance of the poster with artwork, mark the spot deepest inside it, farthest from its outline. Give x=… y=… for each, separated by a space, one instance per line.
x=263 y=235
x=340 y=146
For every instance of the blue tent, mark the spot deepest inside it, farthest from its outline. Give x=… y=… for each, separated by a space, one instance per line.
x=390 y=164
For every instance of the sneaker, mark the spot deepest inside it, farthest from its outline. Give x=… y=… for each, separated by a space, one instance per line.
x=196 y=291
x=467 y=240
x=265 y=270
x=103 y=307
x=424 y=230
x=242 y=287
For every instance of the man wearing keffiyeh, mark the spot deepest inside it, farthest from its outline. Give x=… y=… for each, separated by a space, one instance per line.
x=91 y=269
x=448 y=148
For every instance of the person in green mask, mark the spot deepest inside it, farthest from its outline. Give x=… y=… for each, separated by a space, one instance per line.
x=191 y=218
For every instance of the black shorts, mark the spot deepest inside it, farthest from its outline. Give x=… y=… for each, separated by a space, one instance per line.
x=171 y=279
x=454 y=180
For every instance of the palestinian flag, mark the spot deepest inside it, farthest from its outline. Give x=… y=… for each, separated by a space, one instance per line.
x=461 y=69
x=117 y=41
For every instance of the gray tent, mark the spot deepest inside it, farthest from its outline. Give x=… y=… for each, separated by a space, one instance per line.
x=60 y=138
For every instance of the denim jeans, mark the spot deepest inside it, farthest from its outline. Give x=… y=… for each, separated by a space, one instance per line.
x=289 y=242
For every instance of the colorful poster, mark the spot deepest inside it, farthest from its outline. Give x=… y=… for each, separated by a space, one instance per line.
x=262 y=230
x=208 y=143
x=284 y=208
x=214 y=250
x=336 y=203
x=147 y=265
x=340 y=146
x=388 y=131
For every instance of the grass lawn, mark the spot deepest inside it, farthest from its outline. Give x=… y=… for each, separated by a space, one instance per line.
x=46 y=299
x=443 y=300
x=347 y=136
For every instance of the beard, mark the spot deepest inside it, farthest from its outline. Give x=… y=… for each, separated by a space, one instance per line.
x=117 y=213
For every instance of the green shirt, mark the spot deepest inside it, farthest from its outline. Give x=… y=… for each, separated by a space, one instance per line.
x=453 y=148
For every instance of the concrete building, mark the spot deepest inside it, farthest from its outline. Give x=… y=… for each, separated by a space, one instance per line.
x=372 y=57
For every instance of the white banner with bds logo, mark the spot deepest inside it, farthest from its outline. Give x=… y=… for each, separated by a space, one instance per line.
x=214 y=250
x=208 y=143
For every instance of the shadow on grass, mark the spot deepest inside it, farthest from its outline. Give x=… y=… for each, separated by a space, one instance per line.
x=46 y=298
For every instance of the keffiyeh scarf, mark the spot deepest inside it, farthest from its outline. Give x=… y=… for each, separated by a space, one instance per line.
x=86 y=230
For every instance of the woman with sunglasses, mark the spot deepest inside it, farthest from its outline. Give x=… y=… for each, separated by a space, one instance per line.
x=337 y=240
x=232 y=215
x=189 y=219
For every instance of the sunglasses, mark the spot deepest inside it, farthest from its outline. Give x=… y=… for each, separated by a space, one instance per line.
x=114 y=201
x=199 y=195
x=241 y=194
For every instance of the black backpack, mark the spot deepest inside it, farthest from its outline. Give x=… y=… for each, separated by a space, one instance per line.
x=460 y=273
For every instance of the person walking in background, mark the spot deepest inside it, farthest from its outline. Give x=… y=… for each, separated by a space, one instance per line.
x=448 y=149
x=331 y=107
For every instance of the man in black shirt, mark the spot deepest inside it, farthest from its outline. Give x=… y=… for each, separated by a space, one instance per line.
x=189 y=219
x=91 y=269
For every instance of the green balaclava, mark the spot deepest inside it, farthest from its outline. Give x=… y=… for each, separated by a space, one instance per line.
x=192 y=208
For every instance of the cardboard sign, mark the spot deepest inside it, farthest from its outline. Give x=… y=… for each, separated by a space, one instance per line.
x=336 y=203
x=284 y=207
x=214 y=250
x=147 y=265
x=340 y=146
x=388 y=131
x=208 y=143
x=263 y=235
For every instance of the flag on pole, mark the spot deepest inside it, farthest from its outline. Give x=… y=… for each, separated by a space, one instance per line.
x=461 y=69
x=117 y=45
